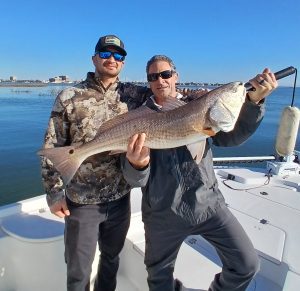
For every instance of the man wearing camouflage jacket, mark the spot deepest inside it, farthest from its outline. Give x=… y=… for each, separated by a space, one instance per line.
x=95 y=204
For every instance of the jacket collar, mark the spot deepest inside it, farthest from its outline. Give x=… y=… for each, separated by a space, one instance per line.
x=97 y=84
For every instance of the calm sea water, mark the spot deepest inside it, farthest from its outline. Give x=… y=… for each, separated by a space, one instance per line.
x=24 y=114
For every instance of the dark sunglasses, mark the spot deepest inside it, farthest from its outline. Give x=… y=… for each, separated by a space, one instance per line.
x=106 y=55
x=164 y=75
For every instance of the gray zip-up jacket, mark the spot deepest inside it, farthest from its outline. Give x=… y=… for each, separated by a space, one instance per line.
x=173 y=179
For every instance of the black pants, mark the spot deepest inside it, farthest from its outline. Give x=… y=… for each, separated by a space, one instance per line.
x=106 y=224
x=165 y=233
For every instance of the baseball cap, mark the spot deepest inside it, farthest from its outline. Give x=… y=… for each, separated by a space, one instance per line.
x=110 y=40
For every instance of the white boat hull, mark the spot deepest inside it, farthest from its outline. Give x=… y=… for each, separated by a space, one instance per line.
x=31 y=240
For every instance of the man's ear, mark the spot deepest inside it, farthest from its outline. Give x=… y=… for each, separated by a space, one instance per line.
x=94 y=60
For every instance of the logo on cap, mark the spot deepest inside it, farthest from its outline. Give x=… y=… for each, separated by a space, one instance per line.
x=112 y=40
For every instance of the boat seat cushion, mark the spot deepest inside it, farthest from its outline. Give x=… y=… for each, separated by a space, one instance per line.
x=37 y=227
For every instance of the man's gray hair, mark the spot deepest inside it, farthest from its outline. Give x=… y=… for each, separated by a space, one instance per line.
x=157 y=58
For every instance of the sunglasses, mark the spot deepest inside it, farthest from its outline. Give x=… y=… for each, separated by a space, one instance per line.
x=164 y=75
x=106 y=55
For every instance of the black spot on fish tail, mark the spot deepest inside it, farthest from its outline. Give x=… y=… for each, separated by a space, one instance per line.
x=64 y=159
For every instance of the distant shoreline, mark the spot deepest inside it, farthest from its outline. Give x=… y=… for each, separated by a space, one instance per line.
x=32 y=84
x=24 y=85
x=38 y=84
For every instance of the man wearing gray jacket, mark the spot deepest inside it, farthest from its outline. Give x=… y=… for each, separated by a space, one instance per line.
x=181 y=196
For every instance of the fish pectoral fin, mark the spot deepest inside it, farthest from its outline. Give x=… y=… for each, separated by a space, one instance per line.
x=209 y=131
x=204 y=130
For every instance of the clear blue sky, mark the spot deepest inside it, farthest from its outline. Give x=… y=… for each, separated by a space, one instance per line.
x=209 y=41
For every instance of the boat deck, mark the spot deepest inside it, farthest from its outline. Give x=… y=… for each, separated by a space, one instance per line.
x=31 y=239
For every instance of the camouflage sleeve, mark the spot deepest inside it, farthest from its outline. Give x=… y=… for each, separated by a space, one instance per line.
x=57 y=134
x=134 y=95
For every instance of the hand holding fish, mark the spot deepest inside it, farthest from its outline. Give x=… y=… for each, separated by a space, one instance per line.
x=137 y=154
x=263 y=84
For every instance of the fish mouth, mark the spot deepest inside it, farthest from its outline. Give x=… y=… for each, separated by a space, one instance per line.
x=236 y=87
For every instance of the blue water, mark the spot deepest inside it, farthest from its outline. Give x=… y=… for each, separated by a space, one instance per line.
x=263 y=140
x=23 y=119
x=24 y=114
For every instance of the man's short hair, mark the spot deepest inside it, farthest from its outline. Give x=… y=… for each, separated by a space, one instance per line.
x=163 y=58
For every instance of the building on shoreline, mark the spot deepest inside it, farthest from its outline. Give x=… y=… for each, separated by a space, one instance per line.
x=13 y=82
x=60 y=79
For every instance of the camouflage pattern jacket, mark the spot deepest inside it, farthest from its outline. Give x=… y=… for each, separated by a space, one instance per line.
x=76 y=115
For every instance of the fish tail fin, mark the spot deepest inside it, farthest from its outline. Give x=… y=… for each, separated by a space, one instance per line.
x=65 y=159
